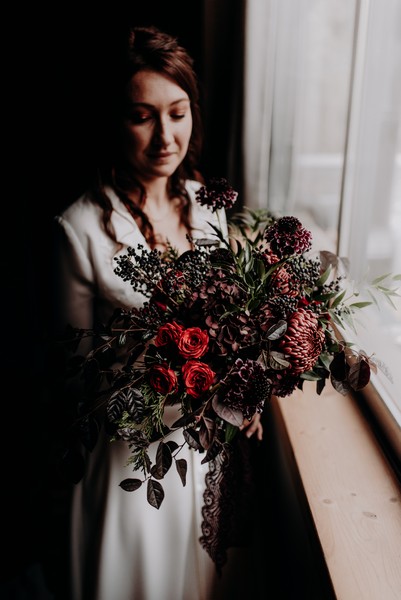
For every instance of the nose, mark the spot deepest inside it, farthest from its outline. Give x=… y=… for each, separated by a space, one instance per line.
x=163 y=132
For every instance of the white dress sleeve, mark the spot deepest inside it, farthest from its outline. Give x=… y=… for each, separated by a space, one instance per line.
x=74 y=279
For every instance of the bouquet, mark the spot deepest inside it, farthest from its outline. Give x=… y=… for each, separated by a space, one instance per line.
x=224 y=326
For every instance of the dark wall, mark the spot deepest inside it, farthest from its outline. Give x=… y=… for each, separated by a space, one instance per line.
x=51 y=56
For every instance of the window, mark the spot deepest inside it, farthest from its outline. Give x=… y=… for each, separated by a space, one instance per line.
x=322 y=134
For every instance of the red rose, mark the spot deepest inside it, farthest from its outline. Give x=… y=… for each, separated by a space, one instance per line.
x=168 y=333
x=193 y=342
x=163 y=379
x=198 y=377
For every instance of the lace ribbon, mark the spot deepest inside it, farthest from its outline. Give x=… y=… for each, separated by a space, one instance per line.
x=228 y=500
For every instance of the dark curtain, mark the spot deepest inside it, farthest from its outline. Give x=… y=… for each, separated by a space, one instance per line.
x=223 y=78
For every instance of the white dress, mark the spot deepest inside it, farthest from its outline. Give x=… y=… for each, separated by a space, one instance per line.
x=123 y=548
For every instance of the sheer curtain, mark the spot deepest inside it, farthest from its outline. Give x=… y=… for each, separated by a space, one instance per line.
x=322 y=100
x=322 y=134
x=273 y=58
x=298 y=61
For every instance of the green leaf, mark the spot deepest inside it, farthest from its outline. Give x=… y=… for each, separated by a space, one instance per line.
x=253 y=304
x=230 y=433
x=248 y=258
x=323 y=278
x=360 y=304
x=326 y=359
x=380 y=278
x=260 y=268
x=310 y=376
x=278 y=361
x=250 y=280
x=387 y=291
x=217 y=231
x=339 y=298
x=391 y=302
x=325 y=297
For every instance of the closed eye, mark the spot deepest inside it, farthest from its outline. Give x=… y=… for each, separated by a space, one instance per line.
x=140 y=117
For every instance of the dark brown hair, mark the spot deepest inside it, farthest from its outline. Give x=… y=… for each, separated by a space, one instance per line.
x=144 y=48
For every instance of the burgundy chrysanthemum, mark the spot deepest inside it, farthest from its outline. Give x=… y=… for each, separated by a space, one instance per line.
x=287 y=236
x=217 y=194
x=284 y=282
x=303 y=341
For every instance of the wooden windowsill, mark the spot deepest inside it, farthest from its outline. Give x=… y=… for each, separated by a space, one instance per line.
x=353 y=495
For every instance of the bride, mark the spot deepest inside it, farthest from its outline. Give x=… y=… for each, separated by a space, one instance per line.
x=121 y=547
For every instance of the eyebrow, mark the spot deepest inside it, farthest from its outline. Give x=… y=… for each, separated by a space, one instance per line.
x=148 y=105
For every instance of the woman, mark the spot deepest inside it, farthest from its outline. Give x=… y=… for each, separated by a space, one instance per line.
x=122 y=548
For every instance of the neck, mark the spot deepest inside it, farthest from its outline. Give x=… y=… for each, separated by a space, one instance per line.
x=157 y=191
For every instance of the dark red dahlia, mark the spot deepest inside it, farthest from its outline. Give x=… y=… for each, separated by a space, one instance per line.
x=217 y=194
x=248 y=387
x=303 y=341
x=287 y=236
x=284 y=384
x=269 y=257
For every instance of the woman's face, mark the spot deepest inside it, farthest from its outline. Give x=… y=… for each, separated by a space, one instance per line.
x=158 y=125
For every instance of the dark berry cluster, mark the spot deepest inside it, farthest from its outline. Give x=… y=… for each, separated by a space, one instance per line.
x=283 y=305
x=142 y=268
x=306 y=271
x=194 y=265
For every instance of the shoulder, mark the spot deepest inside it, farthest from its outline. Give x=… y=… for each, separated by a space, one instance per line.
x=85 y=217
x=192 y=187
x=81 y=213
x=81 y=227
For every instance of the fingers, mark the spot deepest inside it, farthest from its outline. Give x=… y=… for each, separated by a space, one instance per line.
x=253 y=427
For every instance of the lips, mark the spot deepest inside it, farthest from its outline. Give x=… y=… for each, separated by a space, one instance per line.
x=161 y=155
